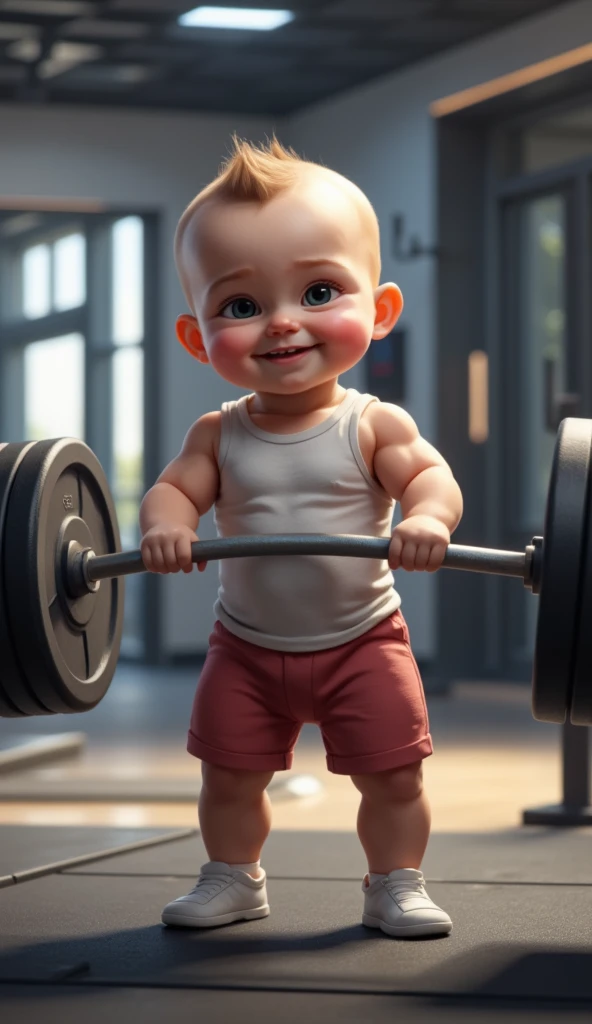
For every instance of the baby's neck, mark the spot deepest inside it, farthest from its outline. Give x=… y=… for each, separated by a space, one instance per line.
x=305 y=403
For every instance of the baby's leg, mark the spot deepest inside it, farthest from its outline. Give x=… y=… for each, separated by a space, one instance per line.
x=394 y=818
x=234 y=813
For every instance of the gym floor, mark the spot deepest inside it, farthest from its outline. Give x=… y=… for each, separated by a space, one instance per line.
x=517 y=895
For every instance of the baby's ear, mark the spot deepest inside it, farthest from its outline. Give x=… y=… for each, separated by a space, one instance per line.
x=189 y=335
x=388 y=301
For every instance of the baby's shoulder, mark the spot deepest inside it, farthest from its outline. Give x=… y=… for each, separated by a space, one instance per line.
x=390 y=423
x=206 y=431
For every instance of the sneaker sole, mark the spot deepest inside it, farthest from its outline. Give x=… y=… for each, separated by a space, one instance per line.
x=187 y=921
x=410 y=929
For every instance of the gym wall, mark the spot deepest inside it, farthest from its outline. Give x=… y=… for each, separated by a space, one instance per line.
x=380 y=135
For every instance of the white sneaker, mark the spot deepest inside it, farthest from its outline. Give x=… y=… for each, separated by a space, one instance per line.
x=221 y=895
x=400 y=906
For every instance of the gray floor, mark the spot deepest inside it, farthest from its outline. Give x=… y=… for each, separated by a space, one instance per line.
x=95 y=929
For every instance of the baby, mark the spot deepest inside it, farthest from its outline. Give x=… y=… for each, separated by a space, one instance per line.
x=279 y=260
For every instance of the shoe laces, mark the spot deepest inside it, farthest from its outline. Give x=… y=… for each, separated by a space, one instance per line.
x=403 y=890
x=210 y=884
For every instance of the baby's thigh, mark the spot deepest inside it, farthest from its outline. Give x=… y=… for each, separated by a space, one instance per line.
x=239 y=719
x=373 y=712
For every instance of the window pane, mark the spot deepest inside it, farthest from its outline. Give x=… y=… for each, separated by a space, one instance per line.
x=544 y=356
x=69 y=272
x=128 y=281
x=36 y=277
x=128 y=482
x=54 y=388
x=128 y=429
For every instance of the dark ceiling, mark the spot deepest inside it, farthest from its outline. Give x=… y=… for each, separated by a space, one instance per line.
x=133 y=53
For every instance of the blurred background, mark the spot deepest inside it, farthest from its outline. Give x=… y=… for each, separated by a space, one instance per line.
x=468 y=124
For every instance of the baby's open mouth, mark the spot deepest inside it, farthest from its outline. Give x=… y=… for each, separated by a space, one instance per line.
x=287 y=353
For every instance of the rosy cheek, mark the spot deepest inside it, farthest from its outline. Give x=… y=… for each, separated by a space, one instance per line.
x=232 y=342
x=348 y=328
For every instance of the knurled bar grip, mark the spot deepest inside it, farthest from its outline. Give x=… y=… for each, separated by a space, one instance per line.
x=488 y=560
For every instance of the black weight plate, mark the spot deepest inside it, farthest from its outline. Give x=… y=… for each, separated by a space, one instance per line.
x=563 y=545
x=17 y=700
x=69 y=666
x=581 y=700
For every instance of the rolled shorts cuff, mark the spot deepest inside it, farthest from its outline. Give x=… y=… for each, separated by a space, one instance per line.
x=387 y=759
x=243 y=762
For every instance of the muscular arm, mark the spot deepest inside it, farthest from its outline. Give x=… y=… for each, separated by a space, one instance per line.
x=412 y=471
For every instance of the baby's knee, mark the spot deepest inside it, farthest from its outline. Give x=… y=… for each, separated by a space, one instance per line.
x=230 y=784
x=397 y=785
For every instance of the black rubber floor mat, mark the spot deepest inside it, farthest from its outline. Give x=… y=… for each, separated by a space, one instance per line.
x=509 y=941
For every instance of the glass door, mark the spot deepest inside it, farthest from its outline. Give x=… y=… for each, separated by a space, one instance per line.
x=539 y=383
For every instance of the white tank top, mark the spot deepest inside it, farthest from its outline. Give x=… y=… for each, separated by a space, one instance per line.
x=315 y=481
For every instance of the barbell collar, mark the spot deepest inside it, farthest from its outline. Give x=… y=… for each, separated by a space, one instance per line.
x=126 y=563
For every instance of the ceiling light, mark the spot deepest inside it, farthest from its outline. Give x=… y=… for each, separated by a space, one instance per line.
x=235 y=17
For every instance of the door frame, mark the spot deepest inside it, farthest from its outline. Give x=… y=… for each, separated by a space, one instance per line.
x=471 y=632
x=573 y=183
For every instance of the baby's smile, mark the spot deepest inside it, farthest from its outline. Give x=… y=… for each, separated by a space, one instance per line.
x=286 y=354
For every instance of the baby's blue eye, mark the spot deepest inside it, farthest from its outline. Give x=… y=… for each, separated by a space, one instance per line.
x=319 y=294
x=240 y=309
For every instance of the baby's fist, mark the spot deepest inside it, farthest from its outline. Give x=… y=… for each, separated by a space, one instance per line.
x=418 y=543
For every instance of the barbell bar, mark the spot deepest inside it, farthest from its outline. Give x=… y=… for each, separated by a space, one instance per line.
x=59 y=541
x=84 y=567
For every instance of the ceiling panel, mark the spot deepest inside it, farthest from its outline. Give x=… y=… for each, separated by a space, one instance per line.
x=104 y=28
x=133 y=52
x=381 y=10
x=245 y=66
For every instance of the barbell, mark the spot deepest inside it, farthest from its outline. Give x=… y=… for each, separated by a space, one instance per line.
x=61 y=569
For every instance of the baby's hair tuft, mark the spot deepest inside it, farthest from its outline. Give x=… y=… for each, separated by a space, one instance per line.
x=257 y=173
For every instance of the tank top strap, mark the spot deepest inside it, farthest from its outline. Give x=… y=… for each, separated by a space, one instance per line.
x=362 y=402
x=228 y=422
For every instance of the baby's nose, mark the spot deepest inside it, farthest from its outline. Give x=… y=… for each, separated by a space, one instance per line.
x=280 y=324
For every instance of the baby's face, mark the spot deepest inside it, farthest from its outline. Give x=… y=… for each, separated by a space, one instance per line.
x=295 y=272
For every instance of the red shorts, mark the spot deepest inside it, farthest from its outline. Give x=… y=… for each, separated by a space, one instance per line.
x=365 y=695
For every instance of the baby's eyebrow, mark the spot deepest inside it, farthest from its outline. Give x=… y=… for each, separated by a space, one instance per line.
x=317 y=262
x=230 y=276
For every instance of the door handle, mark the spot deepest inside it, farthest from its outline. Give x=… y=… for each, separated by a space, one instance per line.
x=558 y=404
